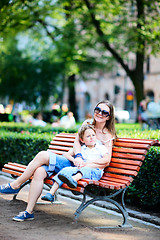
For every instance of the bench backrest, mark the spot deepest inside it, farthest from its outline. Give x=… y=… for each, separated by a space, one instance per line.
x=127 y=155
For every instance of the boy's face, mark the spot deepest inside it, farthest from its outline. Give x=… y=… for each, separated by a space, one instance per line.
x=89 y=138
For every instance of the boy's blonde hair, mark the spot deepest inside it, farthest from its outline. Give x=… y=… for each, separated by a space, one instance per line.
x=83 y=128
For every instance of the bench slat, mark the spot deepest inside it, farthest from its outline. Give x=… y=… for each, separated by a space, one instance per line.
x=64 y=139
x=78 y=189
x=122 y=171
x=56 y=151
x=68 y=135
x=14 y=168
x=61 y=143
x=116 y=176
x=134 y=140
x=115 y=180
x=16 y=164
x=125 y=161
x=66 y=149
x=105 y=184
x=113 y=183
x=124 y=166
x=130 y=150
x=128 y=156
x=132 y=145
x=12 y=172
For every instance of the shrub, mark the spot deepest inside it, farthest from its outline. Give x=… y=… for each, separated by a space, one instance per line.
x=21 y=147
x=19 y=127
x=145 y=189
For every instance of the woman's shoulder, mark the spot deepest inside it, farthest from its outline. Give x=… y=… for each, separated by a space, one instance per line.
x=88 y=121
x=108 y=139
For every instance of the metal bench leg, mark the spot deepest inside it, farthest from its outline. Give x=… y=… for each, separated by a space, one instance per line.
x=78 y=211
x=123 y=211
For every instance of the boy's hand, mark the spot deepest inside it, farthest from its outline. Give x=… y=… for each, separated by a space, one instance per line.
x=78 y=162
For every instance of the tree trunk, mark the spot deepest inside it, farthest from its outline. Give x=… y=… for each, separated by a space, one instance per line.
x=137 y=78
x=136 y=75
x=72 y=95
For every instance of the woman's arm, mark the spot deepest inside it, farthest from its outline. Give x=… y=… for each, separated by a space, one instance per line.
x=77 y=145
x=69 y=155
x=108 y=144
x=78 y=161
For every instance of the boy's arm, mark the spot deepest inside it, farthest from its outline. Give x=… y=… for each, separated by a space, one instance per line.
x=99 y=163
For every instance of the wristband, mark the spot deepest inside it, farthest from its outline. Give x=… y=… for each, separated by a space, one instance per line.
x=78 y=155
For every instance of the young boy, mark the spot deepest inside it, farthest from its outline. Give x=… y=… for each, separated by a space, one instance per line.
x=95 y=159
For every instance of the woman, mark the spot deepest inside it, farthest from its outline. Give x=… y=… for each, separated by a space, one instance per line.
x=45 y=162
x=104 y=124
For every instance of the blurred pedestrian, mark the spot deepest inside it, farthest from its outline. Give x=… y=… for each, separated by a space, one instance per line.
x=68 y=121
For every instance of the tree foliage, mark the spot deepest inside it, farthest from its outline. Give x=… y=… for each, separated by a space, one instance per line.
x=89 y=34
x=55 y=22
x=128 y=30
x=27 y=79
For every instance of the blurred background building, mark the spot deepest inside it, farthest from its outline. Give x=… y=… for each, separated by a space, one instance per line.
x=117 y=88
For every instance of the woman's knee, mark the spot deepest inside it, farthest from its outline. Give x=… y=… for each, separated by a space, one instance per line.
x=43 y=156
x=40 y=174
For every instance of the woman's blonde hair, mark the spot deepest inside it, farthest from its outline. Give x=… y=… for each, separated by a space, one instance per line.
x=110 y=124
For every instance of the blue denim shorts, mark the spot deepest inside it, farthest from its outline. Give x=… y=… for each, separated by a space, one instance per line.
x=56 y=163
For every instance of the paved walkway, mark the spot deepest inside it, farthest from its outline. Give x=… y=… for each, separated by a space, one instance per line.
x=57 y=220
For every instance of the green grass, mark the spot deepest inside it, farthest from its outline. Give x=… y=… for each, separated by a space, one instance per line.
x=132 y=130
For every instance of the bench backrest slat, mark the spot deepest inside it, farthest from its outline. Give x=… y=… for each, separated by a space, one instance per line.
x=68 y=144
x=61 y=139
x=134 y=140
x=128 y=156
x=117 y=176
x=122 y=171
x=56 y=147
x=129 y=150
x=131 y=162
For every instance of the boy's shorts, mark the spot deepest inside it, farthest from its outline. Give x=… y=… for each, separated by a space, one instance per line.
x=56 y=163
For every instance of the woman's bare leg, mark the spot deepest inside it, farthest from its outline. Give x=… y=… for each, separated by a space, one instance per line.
x=36 y=188
x=40 y=159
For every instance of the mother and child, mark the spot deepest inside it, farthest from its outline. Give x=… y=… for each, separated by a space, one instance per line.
x=90 y=154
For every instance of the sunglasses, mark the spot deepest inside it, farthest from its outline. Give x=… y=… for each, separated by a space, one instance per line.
x=105 y=113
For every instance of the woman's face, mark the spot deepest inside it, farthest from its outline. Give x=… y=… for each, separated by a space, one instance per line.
x=101 y=115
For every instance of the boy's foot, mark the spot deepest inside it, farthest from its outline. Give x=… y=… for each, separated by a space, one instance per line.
x=68 y=180
x=48 y=197
x=7 y=189
x=23 y=216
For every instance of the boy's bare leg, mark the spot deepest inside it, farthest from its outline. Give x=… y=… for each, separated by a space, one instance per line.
x=77 y=176
x=54 y=188
x=40 y=159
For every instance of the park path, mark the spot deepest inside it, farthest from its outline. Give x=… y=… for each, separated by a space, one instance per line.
x=56 y=221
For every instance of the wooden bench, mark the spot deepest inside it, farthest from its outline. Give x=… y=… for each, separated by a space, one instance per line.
x=127 y=157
